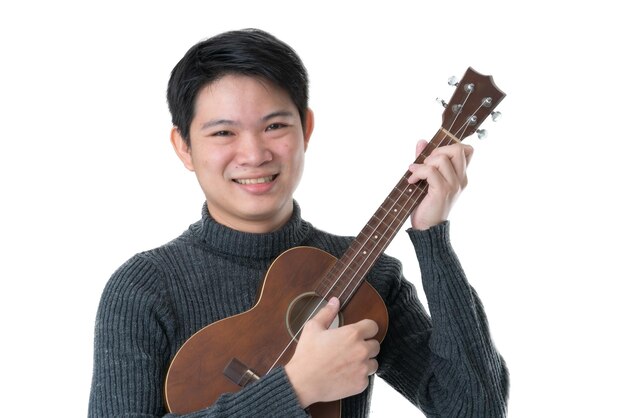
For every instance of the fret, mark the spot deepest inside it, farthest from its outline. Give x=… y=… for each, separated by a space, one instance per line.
x=351 y=269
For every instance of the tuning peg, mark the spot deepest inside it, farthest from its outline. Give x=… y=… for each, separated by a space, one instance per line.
x=453 y=81
x=495 y=116
x=441 y=102
x=481 y=133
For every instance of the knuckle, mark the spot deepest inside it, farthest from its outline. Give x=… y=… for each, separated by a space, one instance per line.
x=428 y=169
x=370 y=326
x=308 y=326
x=362 y=370
x=351 y=331
x=361 y=353
x=375 y=349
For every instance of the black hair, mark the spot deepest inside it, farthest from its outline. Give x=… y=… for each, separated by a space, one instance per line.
x=249 y=52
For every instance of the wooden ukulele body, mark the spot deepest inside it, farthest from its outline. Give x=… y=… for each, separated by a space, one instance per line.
x=231 y=353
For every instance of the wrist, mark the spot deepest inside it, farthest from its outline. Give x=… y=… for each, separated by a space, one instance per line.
x=299 y=386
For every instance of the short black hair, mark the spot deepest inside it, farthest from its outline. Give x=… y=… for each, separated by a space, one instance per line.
x=248 y=52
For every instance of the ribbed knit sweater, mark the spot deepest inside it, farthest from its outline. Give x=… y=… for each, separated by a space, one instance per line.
x=445 y=364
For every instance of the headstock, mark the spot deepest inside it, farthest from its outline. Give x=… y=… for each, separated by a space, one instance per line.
x=475 y=98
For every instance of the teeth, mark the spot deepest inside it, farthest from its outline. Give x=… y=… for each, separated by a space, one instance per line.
x=255 y=181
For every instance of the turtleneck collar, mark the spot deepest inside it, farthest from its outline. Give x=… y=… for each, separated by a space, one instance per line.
x=233 y=243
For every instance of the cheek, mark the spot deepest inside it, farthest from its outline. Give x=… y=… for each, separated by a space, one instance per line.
x=295 y=155
x=211 y=159
x=292 y=151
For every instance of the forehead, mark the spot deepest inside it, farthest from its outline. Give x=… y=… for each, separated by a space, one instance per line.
x=240 y=91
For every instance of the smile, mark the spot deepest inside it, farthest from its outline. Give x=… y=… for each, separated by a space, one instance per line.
x=259 y=180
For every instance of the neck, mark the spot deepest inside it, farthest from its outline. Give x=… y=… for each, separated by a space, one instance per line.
x=233 y=242
x=252 y=224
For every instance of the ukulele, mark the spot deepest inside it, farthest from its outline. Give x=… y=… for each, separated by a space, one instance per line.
x=229 y=354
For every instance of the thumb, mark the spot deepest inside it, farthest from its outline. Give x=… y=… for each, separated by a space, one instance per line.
x=325 y=316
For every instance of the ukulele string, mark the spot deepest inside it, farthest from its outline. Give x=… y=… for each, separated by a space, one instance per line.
x=377 y=248
x=319 y=304
x=378 y=251
x=307 y=307
x=458 y=113
x=369 y=259
x=373 y=256
x=467 y=122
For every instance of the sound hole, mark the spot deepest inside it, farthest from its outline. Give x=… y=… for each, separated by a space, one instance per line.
x=304 y=308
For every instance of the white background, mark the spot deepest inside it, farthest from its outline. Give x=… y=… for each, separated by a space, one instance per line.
x=88 y=176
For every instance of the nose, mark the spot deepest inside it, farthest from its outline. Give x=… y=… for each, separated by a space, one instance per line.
x=253 y=151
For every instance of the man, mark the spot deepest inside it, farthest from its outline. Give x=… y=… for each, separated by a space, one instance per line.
x=239 y=105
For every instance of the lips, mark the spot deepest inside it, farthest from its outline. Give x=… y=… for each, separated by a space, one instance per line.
x=257 y=180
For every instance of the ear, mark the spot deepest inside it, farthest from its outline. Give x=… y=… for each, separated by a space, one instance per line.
x=310 y=122
x=182 y=149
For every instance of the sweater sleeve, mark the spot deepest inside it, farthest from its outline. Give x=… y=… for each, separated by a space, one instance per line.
x=446 y=364
x=133 y=346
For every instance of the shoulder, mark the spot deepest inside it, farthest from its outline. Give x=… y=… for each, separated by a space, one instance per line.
x=142 y=275
x=132 y=287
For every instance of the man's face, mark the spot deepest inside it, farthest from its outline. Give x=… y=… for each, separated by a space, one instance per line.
x=247 y=150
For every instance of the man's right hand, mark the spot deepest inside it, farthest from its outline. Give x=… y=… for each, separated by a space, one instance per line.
x=331 y=364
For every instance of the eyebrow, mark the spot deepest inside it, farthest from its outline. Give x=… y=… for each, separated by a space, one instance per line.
x=215 y=122
x=279 y=113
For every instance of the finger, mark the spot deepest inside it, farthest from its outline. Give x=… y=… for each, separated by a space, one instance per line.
x=465 y=157
x=367 y=328
x=425 y=172
x=421 y=146
x=448 y=171
x=462 y=157
x=469 y=151
x=328 y=313
x=457 y=156
x=372 y=366
x=373 y=348
x=452 y=164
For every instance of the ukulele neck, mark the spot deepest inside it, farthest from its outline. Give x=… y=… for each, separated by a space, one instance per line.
x=350 y=270
x=473 y=100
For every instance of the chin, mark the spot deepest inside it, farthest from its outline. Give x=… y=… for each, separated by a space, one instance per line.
x=268 y=212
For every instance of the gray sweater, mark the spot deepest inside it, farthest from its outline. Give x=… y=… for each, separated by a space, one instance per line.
x=445 y=364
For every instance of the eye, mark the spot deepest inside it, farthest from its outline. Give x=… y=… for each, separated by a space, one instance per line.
x=222 y=133
x=274 y=126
